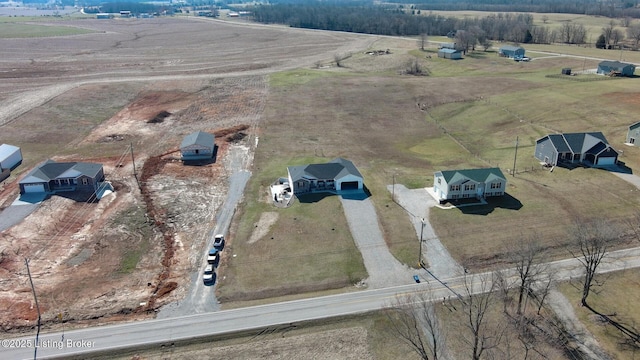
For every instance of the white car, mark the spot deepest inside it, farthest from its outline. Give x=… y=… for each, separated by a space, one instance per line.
x=209 y=275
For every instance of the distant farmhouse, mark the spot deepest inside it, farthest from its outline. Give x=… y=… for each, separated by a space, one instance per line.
x=590 y=149
x=633 y=134
x=197 y=146
x=469 y=183
x=335 y=176
x=615 y=68
x=80 y=178
x=512 y=52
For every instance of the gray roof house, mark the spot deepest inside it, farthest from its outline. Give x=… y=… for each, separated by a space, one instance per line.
x=511 y=51
x=607 y=67
x=633 y=133
x=80 y=178
x=197 y=146
x=590 y=149
x=10 y=157
x=336 y=176
x=468 y=183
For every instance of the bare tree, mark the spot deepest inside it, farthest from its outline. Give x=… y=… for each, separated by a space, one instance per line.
x=592 y=240
x=423 y=40
x=465 y=40
x=607 y=32
x=633 y=32
x=526 y=256
x=414 y=321
x=616 y=36
x=545 y=18
x=479 y=295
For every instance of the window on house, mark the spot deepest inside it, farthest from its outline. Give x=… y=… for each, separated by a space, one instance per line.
x=454 y=188
x=85 y=181
x=468 y=187
x=439 y=182
x=496 y=185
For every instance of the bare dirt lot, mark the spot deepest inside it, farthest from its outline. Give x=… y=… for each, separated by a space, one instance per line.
x=130 y=90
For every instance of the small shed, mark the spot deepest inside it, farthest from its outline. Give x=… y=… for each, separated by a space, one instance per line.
x=197 y=146
x=10 y=157
x=566 y=71
x=453 y=54
x=607 y=67
x=511 y=51
x=633 y=134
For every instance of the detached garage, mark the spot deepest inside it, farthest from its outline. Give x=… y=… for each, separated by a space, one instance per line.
x=10 y=157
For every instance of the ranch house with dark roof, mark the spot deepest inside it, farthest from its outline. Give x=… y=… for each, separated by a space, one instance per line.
x=197 y=146
x=336 y=176
x=58 y=177
x=590 y=149
x=468 y=183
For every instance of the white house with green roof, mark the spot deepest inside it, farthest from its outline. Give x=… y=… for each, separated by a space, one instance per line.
x=335 y=176
x=469 y=183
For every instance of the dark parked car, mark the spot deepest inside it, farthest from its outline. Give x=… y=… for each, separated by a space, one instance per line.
x=218 y=242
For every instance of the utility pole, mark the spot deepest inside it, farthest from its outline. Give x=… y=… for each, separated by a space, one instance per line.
x=35 y=350
x=135 y=173
x=513 y=171
x=393 y=188
x=421 y=232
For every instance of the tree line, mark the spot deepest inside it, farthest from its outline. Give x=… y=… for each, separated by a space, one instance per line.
x=517 y=28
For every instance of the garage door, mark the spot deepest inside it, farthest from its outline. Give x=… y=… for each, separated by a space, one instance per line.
x=33 y=188
x=606 y=161
x=349 y=185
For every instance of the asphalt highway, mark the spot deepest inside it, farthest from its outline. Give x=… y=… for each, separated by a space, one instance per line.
x=165 y=331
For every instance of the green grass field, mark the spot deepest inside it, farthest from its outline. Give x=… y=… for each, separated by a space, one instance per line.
x=472 y=112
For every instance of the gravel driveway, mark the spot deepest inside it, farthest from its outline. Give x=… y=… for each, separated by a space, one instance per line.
x=383 y=268
x=417 y=203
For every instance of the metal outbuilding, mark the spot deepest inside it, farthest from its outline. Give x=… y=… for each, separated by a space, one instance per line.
x=10 y=157
x=453 y=54
x=616 y=67
x=511 y=51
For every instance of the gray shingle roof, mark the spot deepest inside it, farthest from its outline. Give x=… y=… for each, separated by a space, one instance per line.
x=52 y=170
x=577 y=143
x=334 y=169
x=477 y=175
x=198 y=138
